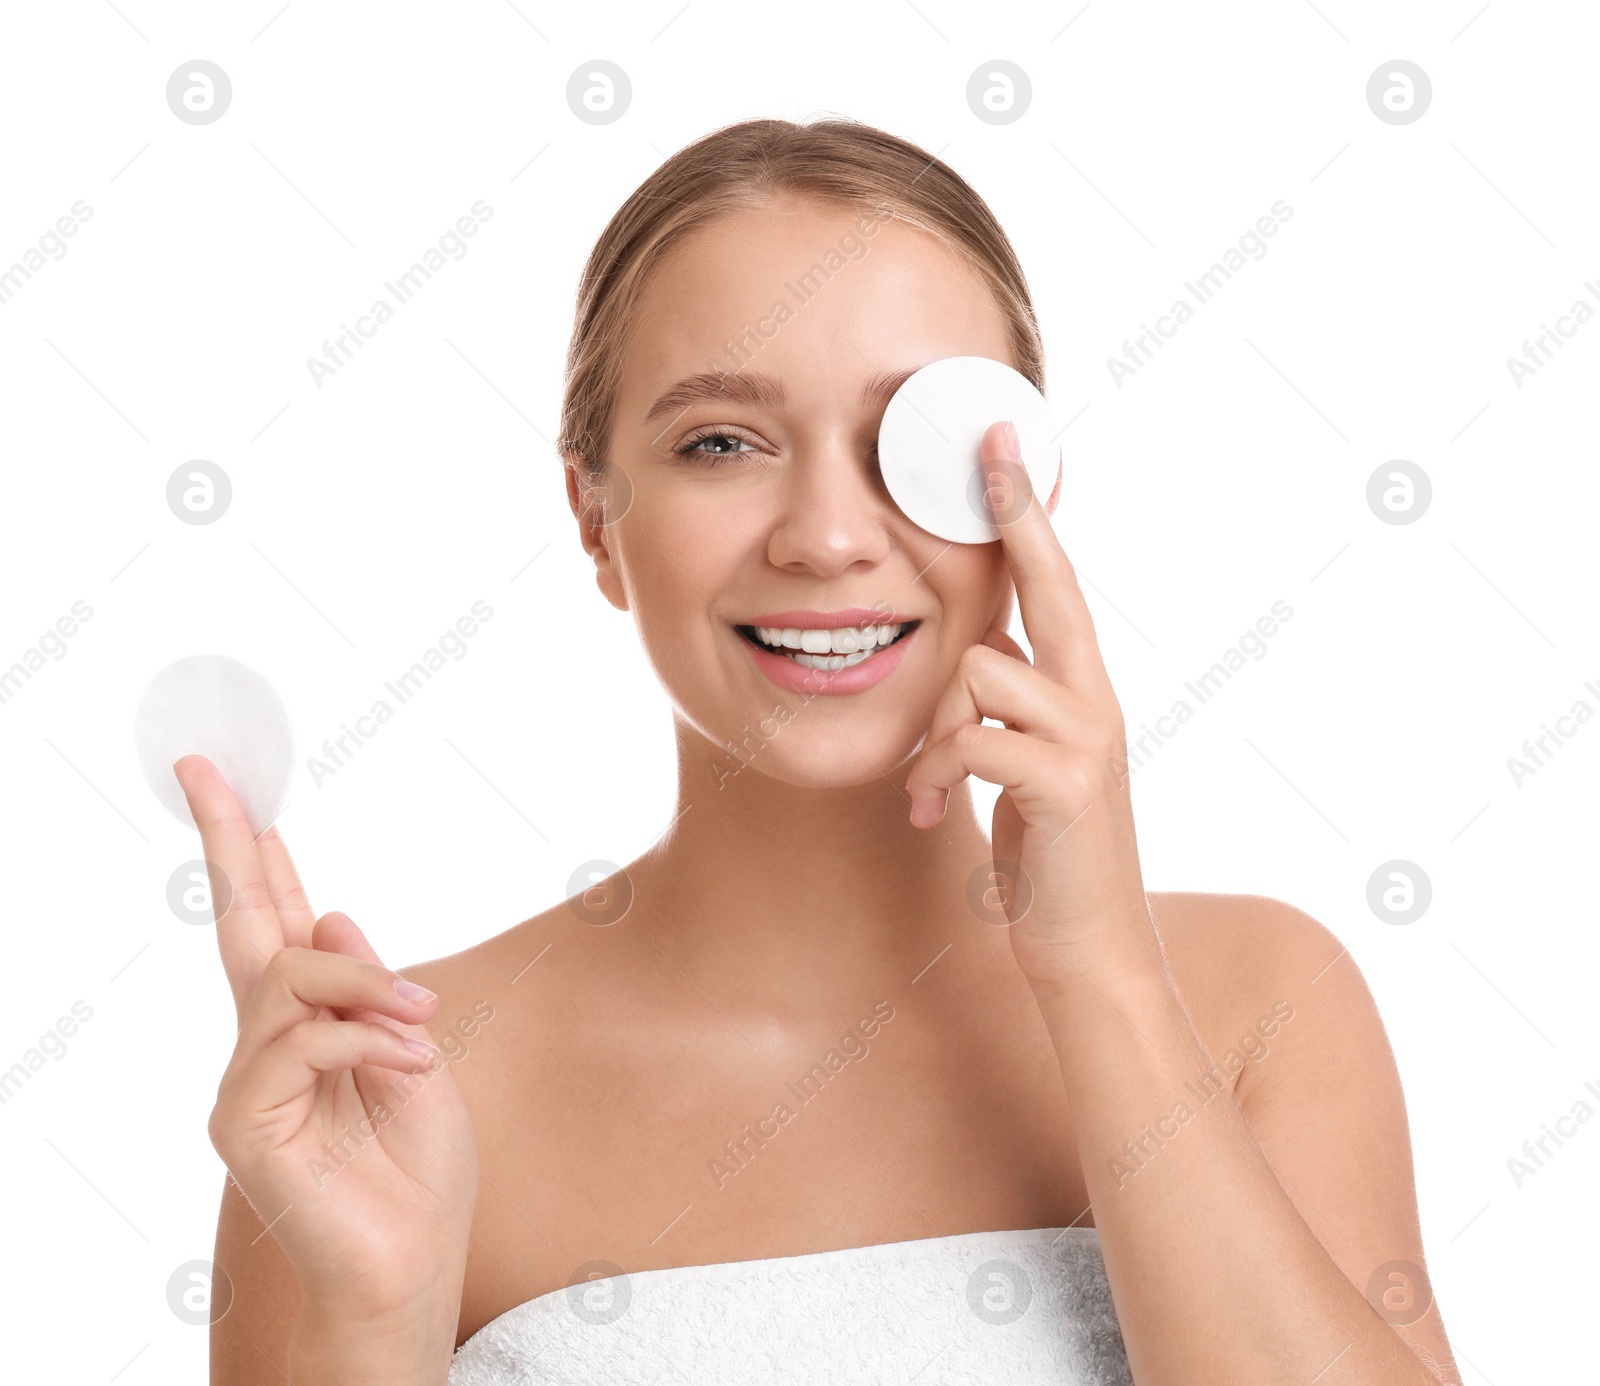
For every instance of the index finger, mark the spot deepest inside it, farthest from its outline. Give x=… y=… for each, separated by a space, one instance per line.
x=1054 y=613
x=249 y=933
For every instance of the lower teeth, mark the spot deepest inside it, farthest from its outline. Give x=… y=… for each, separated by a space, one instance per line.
x=830 y=662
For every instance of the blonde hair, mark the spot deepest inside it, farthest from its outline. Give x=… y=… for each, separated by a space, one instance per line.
x=746 y=165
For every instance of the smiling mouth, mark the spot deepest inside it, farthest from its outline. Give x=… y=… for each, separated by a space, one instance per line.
x=827 y=650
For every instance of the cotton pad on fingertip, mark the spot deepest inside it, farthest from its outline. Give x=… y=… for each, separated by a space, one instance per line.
x=214 y=706
x=929 y=438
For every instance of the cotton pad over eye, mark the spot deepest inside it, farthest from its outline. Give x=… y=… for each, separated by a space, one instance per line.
x=928 y=443
x=213 y=706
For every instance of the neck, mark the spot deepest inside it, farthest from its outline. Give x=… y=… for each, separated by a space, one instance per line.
x=786 y=895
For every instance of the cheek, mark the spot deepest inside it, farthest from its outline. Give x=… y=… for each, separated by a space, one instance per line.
x=974 y=591
x=681 y=547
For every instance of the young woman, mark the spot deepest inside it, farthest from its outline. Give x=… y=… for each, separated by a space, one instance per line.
x=826 y=1027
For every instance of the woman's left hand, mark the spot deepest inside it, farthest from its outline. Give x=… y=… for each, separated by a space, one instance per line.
x=1062 y=838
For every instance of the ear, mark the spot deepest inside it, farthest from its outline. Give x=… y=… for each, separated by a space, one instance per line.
x=592 y=506
x=1055 y=494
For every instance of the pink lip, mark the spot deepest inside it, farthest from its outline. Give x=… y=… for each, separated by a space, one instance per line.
x=828 y=620
x=799 y=679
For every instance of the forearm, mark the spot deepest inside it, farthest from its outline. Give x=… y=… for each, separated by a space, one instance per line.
x=328 y=1348
x=1216 y=1275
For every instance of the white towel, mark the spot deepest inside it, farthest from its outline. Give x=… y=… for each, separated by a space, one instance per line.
x=966 y=1310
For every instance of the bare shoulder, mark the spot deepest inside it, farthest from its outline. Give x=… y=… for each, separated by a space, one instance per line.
x=1281 y=1004
x=528 y=1015
x=1250 y=964
x=498 y=990
x=1212 y=934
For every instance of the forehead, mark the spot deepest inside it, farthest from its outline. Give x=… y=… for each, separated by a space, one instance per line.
x=814 y=292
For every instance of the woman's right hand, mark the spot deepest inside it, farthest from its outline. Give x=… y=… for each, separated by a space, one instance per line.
x=357 y=1153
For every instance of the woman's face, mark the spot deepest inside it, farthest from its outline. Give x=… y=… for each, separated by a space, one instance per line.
x=757 y=498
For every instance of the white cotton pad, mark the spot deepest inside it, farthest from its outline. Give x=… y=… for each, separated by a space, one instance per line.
x=213 y=706
x=928 y=443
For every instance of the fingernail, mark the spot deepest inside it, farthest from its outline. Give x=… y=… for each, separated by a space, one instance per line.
x=410 y=991
x=1013 y=444
x=421 y=1047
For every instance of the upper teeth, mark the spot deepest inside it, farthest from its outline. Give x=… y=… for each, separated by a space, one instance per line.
x=845 y=641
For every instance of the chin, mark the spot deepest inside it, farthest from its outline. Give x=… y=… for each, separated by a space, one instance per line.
x=814 y=757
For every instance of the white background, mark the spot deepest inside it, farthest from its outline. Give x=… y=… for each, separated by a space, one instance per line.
x=369 y=514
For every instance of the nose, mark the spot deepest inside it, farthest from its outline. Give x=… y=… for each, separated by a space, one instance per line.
x=832 y=514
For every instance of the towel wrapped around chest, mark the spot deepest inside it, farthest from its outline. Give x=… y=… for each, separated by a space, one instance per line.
x=975 y=1309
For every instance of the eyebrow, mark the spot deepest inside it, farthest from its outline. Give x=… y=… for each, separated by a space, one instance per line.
x=880 y=387
x=737 y=387
x=751 y=387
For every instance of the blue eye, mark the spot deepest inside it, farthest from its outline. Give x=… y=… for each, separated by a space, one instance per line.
x=692 y=446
